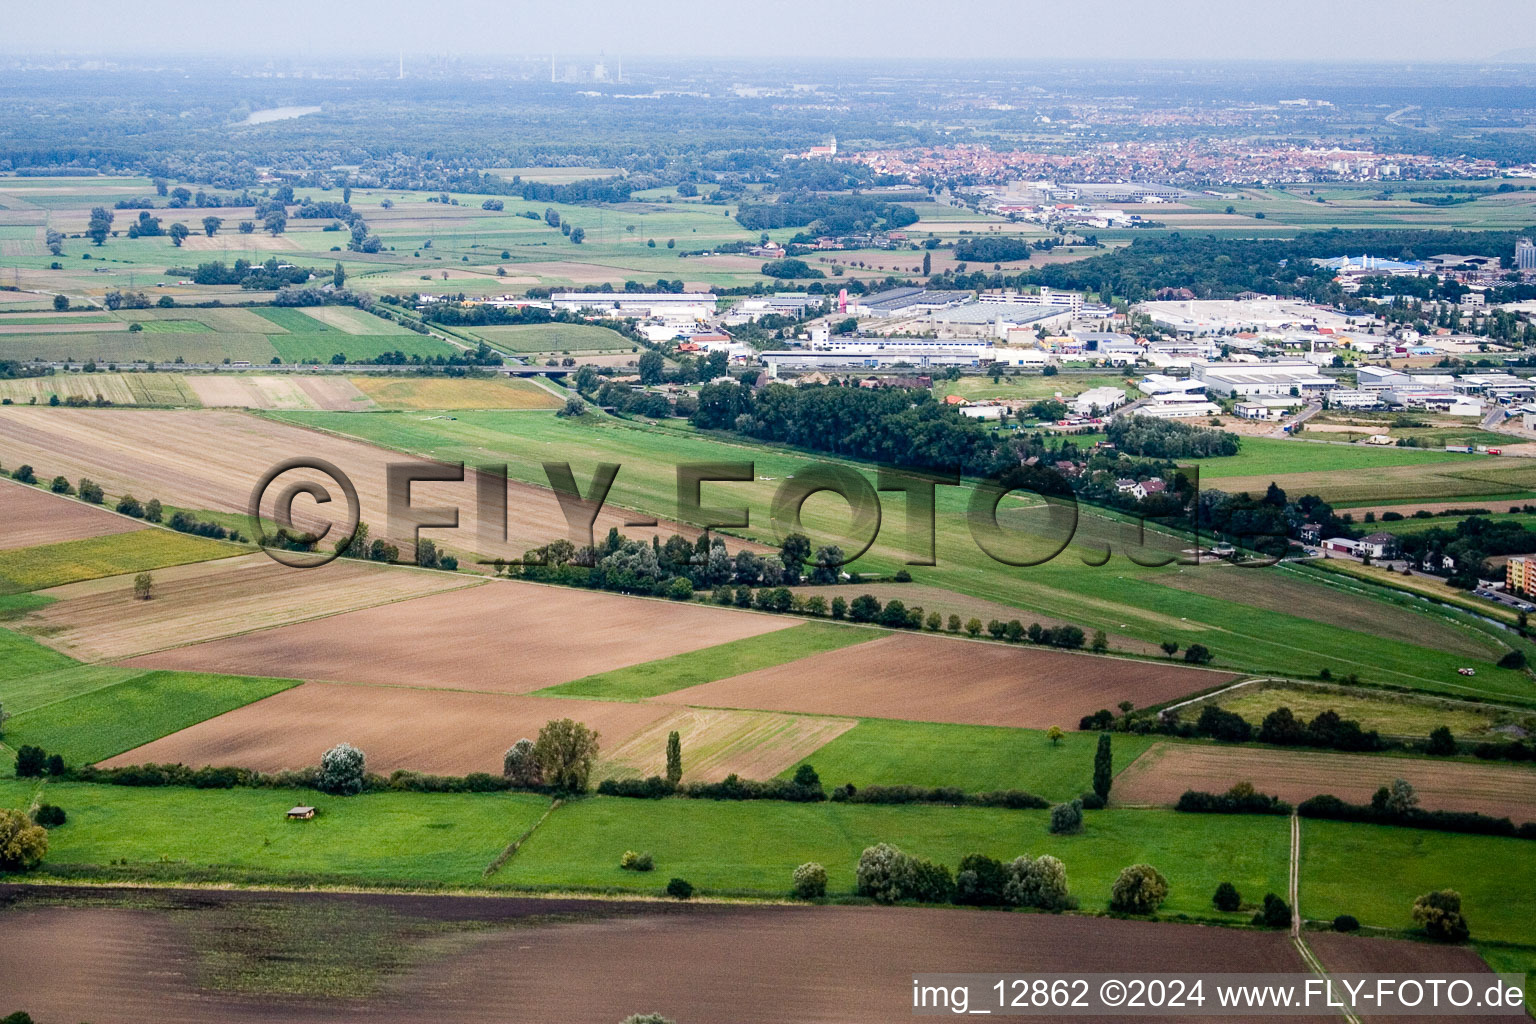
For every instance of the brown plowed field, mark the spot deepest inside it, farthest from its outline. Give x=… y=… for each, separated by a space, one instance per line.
x=503 y=637
x=29 y=517
x=444 y=732
x=1356 y=954
x=937 y=679
x=1166 y=770
x=703 y=964
x=99 y=620
x=211 y=459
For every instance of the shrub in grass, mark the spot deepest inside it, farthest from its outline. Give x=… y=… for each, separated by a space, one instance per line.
x=520 y=767
x=341 y=770
x=980 y=881
x=1140 y=889
x=1346 y=923
x=632 y=861
x=1091 y=801
x=1441 y=742
x=50 y=816
x=1067 y=819
x=31 y=762
x=1514 y=659
x=1039 y=882
x=886 y=875
x=1227 y=897
x=1275 y=913
x=679 y=888
x=809 y=881
x=56 y=764
x=1439 y=914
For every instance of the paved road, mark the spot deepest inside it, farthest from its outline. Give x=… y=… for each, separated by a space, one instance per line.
x=1312 y=409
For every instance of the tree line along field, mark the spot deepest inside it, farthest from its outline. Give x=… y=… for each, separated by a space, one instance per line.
x=1253 y=629
x=751 y=847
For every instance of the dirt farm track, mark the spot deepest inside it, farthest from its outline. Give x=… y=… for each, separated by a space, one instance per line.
x=787 y=965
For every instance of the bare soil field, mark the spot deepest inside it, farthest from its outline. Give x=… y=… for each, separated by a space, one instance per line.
x=99 y=620
x=751 y=744
x=131 y=966
x=211 y=459
x=504 y=637
x=1409 y=508
x=1166 y=770
x=937 y=679
x=62 y=328
x=444 y=732
x=1275 y=590
x=29 y=517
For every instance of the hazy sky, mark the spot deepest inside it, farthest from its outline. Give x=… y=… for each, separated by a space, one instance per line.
x=1184 y=29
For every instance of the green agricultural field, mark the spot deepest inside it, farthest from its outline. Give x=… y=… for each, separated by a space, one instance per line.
x=1261 y=627
x=1392 y=714
x=518 y=338
x=722 y=661
x=753 y=846
x=52 y=565
x=1030 y=386
x=110 y=720
x=358 y=348
x=1375 y=871
x=1260 y=455
x=1407 y=527
x=21 y=660
x=974 y=758
x=380 y=838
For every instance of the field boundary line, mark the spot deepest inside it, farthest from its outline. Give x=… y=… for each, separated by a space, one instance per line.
x=1293 y=882
x=517 y=844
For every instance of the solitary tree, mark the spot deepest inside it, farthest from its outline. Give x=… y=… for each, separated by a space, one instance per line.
x=1054 y=734
x=674 y=757
x=341 y=770
x=1170 y=647
x=1439 y=914
x=22 y=844
x=565 y=752
x=1103 y=767
x=339 y=275
x=211 y=225
x=143 y=585
x=178 y=233
x=61 y=302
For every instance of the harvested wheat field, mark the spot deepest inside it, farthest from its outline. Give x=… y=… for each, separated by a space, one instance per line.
x=99 y=620
x=503 y=637
x=444 y=732
x=456 y=393
x=937 y=679
x=751 y=744
x=265 y=391
x=1166 y=770
x=211 y=459
x=29 y=517
x=136 y=966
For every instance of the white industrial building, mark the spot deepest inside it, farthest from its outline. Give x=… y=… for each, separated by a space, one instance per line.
x=1216 y=316
x=1248 y=380
x=1162 y=384
x=1177 y=405
x=678 y=305
x=1103 y=399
